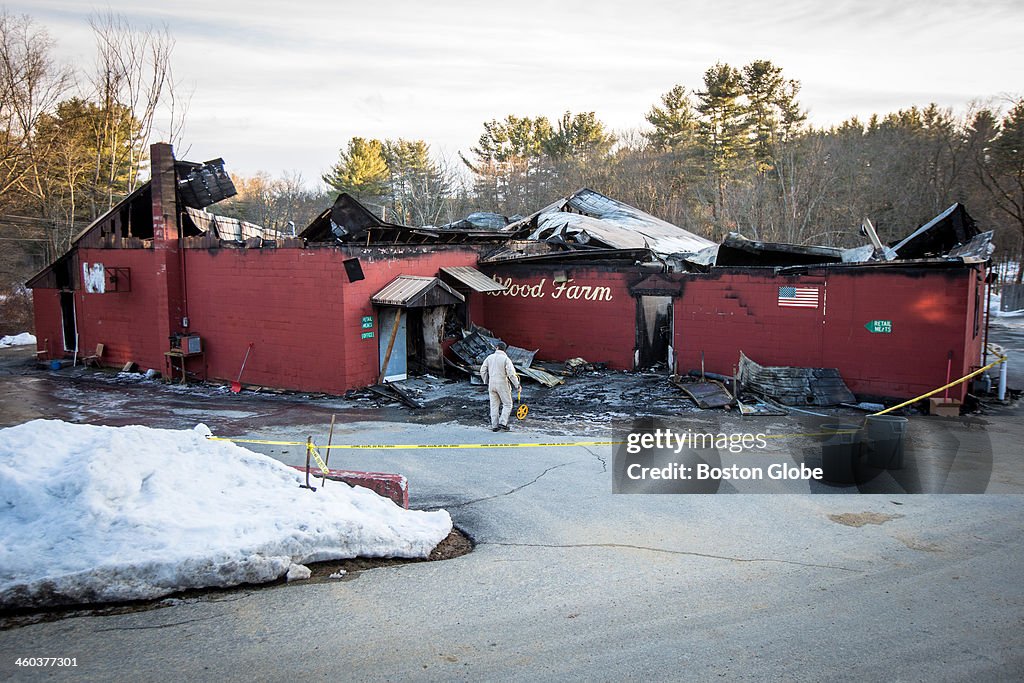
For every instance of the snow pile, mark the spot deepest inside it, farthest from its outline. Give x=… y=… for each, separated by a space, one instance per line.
x=23 y=339
x=97 y=514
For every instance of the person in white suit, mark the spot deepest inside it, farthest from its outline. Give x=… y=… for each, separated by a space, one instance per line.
x=500 y=376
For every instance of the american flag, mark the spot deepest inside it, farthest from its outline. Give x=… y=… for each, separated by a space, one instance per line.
x=798 y=297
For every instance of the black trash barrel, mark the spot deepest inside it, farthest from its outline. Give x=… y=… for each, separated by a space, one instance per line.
x=840 y=450
x=884 y=437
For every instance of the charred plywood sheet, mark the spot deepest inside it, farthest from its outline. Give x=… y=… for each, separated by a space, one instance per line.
x=706 y=393
x=977 y=250
x=200 y=185
x=794 y=386
x=737 y=250
x=476 y=346
x=947 y=231
x=347 y=218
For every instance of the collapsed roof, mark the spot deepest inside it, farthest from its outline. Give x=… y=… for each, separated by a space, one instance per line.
x=590 y=220
x=224 y=227
x=348 y=221
x=936 y=238
x=200 y=185
x=952 y=236
x=482 y=220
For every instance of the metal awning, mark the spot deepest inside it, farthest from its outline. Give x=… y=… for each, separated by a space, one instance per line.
x=472 y=278
x=416 y=291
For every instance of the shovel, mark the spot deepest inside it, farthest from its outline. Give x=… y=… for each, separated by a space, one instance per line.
x=522 y=411
x=236 y=386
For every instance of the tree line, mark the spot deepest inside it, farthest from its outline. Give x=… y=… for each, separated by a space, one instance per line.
x=733 y=152
x=74 y=140
x=736 y=153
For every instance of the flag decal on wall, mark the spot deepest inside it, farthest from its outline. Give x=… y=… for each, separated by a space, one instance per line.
x=798 y=297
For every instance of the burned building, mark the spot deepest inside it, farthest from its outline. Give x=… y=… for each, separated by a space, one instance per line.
x=354 y=300
x=156 y=268
x=587 y=277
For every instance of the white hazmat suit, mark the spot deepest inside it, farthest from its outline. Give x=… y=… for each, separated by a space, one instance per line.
x=500 y=375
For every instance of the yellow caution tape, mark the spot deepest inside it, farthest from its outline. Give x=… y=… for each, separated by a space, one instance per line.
x=1002 y=359
x=319 y=461
x=422 y=445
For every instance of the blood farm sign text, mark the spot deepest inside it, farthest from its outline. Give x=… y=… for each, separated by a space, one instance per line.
x=561 y=290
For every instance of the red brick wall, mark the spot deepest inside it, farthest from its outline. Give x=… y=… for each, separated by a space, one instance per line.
x=296 y=306
x=124 y=322
x=931 y=313
x=299 y=309
x=562 y=327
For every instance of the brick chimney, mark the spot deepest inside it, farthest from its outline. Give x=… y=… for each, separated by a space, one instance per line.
x=166 y=242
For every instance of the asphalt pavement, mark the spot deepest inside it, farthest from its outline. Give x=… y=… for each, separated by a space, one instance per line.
x=570 y=581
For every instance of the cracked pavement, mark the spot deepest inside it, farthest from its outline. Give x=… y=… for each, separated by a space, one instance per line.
x=568 y=581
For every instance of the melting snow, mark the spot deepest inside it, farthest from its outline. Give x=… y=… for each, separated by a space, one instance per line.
x=97 y=514
x=23 y=339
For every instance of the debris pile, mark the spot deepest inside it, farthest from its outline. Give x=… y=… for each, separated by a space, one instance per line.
x=575 y=367
x=795 y=386
x=705 y=392
x=475 y=346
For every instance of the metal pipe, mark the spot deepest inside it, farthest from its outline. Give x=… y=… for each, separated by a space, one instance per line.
x=1002 y=380
x=988 y=315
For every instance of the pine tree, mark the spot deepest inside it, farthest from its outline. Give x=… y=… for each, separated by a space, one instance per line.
x=723 y=128
x=361 y=171
x=581 y=137
x=775 y=115
x=418 y=187
x=675 y=122
x=511 y=173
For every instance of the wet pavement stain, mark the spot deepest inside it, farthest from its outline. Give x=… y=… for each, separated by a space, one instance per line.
x=859 y=519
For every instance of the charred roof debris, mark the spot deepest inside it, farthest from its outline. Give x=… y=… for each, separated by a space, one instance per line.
x=477 y=344
x=589 y=225
x=792 y=386
x=349 y=222
x=200 y=185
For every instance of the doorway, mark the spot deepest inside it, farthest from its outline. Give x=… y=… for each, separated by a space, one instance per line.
x=391 y=323
x=67 y=315
x=654 y=332
x=417 y=347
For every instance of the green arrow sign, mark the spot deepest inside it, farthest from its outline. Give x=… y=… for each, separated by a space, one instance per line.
x=879 y=326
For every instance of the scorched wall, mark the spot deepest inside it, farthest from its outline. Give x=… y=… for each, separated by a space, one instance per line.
x=932 y=313
x=590 y=315
x=299 y=310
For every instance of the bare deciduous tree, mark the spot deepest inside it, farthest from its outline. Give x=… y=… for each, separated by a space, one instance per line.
x=31 y=84
x=131 y=81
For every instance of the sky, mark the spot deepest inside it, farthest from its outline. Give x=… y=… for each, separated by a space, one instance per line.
x=282 y=86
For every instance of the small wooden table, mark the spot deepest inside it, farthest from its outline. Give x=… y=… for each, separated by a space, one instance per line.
x=182 y=358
